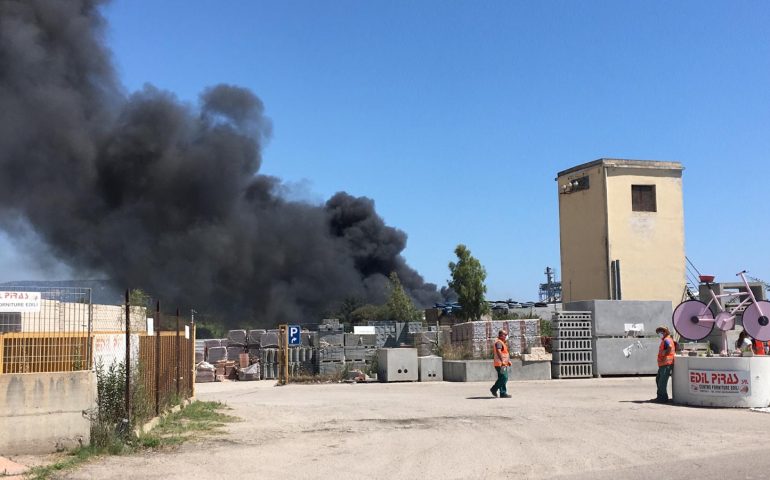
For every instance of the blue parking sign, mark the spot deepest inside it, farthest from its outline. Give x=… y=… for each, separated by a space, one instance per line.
x=294 y=336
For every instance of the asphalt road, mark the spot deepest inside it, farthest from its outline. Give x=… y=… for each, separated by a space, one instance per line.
x=567 y=429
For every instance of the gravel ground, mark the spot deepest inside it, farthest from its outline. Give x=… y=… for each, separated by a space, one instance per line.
x=576 y=429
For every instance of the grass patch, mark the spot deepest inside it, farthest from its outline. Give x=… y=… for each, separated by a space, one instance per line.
x=197 y=420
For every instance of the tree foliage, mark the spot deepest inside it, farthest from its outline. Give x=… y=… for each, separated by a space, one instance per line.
x=468 y=282
x=368 y=312
x=400 y=307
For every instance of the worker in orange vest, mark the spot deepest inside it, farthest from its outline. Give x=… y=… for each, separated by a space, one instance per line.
x=759 y=348
x=502 y=360
x=665 y=363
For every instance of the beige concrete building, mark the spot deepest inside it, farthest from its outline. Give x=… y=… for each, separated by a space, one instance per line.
x=622 y=231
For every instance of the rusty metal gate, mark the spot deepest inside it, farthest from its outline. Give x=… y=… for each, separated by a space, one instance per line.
x=45 y=329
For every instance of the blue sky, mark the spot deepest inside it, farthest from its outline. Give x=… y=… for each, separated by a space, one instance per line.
x=455 y=116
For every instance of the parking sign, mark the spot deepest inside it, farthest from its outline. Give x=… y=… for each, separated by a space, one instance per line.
x=294 y=336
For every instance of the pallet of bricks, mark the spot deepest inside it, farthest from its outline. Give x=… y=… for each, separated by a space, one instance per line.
x=478 y=338
x=572 y=349
x=329 y=342
x=359 y=351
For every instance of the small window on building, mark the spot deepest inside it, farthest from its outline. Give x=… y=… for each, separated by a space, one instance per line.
x=10 y=322
x=643 y=198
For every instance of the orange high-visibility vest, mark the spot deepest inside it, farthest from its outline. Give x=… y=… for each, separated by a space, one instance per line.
x=503 y=358
x=663 y=358
x=759 y=347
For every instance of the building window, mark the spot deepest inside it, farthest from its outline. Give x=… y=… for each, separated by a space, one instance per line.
x=643 y=198
x=10 y=322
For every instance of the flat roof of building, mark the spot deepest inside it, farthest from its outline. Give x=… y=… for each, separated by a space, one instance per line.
x=622 y=162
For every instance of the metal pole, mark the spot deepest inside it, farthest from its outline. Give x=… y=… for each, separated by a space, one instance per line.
x=157 y=359
x=128 y=363
x=192 y=350
x=178 y=353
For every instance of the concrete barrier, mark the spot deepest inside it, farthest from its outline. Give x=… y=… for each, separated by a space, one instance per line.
x=484 y=371
x=43 y=412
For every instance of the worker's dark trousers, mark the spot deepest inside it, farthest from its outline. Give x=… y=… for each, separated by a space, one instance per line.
x=502 y=379
x=661 y=380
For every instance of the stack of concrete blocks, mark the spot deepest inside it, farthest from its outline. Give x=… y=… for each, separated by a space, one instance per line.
x=426 y=343
x=430 y=369
x=200 y=351
x=624 y=341
x=302 y=359
x=386 y=333
x=208 y=344
x=478 y=338
x=216 y=354
x=330 y=347
x=269 y=360
x=254 y=343
x=360 y=350
x=236 y=343
x=571 y=345
x=397 y=365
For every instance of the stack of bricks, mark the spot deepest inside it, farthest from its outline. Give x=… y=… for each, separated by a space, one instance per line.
x=329 y=342
x=360 y=349
x=478 y=338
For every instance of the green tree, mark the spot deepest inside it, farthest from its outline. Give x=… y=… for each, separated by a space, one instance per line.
x=400 y=306
x=468 y=281
x=368 y=312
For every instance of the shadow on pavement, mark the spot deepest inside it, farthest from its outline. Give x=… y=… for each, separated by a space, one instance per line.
x=480 y=398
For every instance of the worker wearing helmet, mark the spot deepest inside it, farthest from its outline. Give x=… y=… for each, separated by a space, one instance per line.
x=665 y=363
x=502 y=360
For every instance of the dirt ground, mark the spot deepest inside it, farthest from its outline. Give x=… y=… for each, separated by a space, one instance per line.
x=574 y=429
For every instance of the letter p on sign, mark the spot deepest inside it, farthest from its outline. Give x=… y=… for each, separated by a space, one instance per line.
x=294 y=336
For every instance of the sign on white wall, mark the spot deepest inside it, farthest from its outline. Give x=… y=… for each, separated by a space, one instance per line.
x=111 y=348
x=11 y=302
x=720 y=382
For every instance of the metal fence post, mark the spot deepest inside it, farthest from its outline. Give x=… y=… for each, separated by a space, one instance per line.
x=157 y=359
x=128 y=362
x=178 y=353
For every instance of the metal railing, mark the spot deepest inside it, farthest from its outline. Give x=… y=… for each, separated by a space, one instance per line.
x=44 y=329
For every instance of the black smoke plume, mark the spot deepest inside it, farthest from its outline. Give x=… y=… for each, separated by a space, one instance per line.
x=158 y=194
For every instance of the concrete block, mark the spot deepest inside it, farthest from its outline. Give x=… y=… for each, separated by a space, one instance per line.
x=572 y=370
x=536 y=350
x=397 y=365
x=609 y=358
x=609 y=317
x=484 y=371
x=255 y=336
x=216 y=354
x=360 y=340
x=269 y=339
x=430 y=369
x=358 y=354
x=331 y=354
x=237 y=337
x=537 y=357
x=331 y=339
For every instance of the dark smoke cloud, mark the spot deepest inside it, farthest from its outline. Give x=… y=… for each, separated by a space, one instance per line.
x=166 y=196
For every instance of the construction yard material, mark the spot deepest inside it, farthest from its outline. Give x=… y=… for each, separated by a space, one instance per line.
x=484 y=370
x=478 y=338
x=397 y=365
x=430 y=369
x=237 y=337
